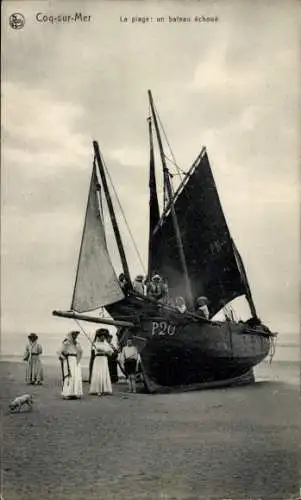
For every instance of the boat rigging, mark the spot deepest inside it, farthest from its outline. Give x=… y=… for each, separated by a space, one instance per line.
x=190 y=245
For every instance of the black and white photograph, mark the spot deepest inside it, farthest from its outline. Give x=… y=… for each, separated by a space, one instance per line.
x=150 y=250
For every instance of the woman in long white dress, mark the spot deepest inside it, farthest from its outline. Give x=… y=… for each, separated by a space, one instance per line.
x=70 y=356
x=100 y=378
x=34 y=369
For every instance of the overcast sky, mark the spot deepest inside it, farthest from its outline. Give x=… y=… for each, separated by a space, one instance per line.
x=231 y=85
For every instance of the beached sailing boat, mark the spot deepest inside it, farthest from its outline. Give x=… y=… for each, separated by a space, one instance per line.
x=190 y=246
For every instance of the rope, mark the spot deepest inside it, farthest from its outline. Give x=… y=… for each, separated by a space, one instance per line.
x=173 y=162
x=272 y=349
x=83 y=331
x=228 y=312
x=165 y=197
x=124 y=217
x=179 y=170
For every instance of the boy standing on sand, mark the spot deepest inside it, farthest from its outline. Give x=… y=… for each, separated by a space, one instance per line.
x=129 y=360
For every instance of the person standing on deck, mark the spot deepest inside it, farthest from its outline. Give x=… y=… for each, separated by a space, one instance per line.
x=34 y=369
x=70 y=356
x=124 y=284
x=129 y=360
x=138 y=284
x=100 y=377
x=180 y=305
x=202 y=307
x=157 y=290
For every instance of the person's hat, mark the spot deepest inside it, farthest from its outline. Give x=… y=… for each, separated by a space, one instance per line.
x=32 y=336
x=102 y=332
x=202 y=301
x=71 y=335
x=156 y=277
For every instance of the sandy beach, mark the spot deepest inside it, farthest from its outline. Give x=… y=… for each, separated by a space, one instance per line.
x=238 y=443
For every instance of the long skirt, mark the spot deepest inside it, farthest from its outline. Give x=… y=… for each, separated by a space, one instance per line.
x=100 y=379
x=73 y=385
x=112 y=362
x=34 y=370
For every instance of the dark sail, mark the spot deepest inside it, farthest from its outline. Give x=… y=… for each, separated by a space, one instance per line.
x=245 y=280
x=154 y=214
x=211 y=263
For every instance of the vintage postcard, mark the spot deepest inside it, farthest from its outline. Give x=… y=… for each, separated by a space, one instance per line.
x=150 y=250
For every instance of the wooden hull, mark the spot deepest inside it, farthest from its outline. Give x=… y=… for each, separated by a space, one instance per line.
x=180 y=351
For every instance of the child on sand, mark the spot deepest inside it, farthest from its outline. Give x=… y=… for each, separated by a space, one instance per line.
x=129 y=360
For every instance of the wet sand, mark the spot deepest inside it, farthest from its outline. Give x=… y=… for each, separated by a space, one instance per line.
x=237 y=443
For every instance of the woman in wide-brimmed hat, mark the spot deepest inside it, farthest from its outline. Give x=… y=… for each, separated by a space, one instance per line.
x=100 y=376
x=34 y=369
x=70 y=356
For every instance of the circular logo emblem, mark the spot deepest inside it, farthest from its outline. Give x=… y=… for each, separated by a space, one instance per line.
x=16 y=21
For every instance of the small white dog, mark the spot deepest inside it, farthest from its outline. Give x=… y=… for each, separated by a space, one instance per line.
x=18 y=403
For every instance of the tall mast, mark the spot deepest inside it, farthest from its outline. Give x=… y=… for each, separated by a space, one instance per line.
x=154 y=213
x=167 y=183
x=112 y=212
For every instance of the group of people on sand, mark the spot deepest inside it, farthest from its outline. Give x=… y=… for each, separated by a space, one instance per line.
x=103 y=371
x=157 y=289
x=105 y=357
